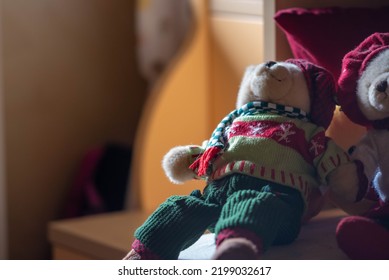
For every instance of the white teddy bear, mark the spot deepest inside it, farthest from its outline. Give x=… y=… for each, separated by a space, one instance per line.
x=363 y=96
x=260 y=165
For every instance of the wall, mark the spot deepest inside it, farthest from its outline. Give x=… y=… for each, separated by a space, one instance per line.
x=70 y=82
x=3 y=222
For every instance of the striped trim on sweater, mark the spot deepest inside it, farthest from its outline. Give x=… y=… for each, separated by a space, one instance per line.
x=301 y=182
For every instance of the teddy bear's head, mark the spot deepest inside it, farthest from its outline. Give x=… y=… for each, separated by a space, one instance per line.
x=372 y=88
x=363 y=84
x=296 y=83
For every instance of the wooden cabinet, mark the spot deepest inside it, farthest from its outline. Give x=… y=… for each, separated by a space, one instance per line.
x=69 y=82
x=105 y=236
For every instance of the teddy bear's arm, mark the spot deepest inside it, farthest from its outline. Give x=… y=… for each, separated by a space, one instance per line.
x=366 y=153
x=335 y=169
x=331 y=158
x=177 y=161
x=344 y=184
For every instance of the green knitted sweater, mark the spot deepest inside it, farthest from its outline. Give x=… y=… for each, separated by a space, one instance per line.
x=289 y=150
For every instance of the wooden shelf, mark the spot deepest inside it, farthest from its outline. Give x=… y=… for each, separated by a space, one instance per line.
x=105 y=236
x=109 y=236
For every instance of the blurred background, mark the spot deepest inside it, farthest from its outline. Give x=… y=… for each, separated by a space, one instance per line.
x=74 y=76
x=93 y=93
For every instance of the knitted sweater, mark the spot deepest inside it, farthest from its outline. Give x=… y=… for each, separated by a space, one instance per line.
x=278 y=147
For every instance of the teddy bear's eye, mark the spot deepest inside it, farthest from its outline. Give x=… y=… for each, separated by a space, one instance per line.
x=270 y=63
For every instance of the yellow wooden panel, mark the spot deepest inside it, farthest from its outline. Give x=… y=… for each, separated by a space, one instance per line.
x=344 y=132
x=176 y=113
x=236 y=42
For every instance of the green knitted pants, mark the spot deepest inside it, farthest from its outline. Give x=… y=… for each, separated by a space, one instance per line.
x=270 y=210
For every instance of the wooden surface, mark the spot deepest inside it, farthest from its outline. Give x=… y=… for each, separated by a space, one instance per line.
x=316 y=240
x=109 y=236
x=106 y=236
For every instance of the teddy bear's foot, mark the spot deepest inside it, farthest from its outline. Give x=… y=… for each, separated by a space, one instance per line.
x=140 y=252
x=362 y=238
x=132 y=255
x=236 y=249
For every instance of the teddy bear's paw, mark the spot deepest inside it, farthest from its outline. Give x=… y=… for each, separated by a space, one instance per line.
x=344 y=183
x=236 y=249
x=176 y=164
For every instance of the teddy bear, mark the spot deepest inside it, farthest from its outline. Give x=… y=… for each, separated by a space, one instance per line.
x=363 y=96
x=260 y=166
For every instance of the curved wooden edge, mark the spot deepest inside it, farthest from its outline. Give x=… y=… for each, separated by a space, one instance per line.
x=176 y=113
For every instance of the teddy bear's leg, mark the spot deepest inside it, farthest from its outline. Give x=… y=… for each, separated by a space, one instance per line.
x=363 y=238
x=237 y=244
x=252 y=220
x=174 y=226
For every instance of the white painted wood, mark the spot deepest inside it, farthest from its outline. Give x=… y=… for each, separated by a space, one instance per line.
x=247 y=7
x=269 y=31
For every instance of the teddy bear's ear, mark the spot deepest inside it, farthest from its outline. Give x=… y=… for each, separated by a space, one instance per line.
x=249 y=69
x=244 y=92
x=247 y=74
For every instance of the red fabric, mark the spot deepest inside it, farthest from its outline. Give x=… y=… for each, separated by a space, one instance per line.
x=380 y=211
x=324 y=35
x=83 y=192
x=285 y=134
x=363 y=239
x=353 y=65
x=143 y=251
x=321 y=86
x=202 y=163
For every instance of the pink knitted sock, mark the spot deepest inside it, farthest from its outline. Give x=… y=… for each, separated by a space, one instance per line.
x=143 y=252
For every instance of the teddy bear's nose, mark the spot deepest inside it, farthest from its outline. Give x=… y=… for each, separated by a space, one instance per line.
x=270 y=63
x=381 y=87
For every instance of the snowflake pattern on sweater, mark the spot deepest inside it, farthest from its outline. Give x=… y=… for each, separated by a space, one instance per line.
x=284 y=133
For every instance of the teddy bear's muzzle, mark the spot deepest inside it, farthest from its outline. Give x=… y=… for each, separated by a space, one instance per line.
x=382 y=86
x=379 y=96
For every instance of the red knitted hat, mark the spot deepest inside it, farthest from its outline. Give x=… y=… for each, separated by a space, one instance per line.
x=321 y=86
x=353 y=65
